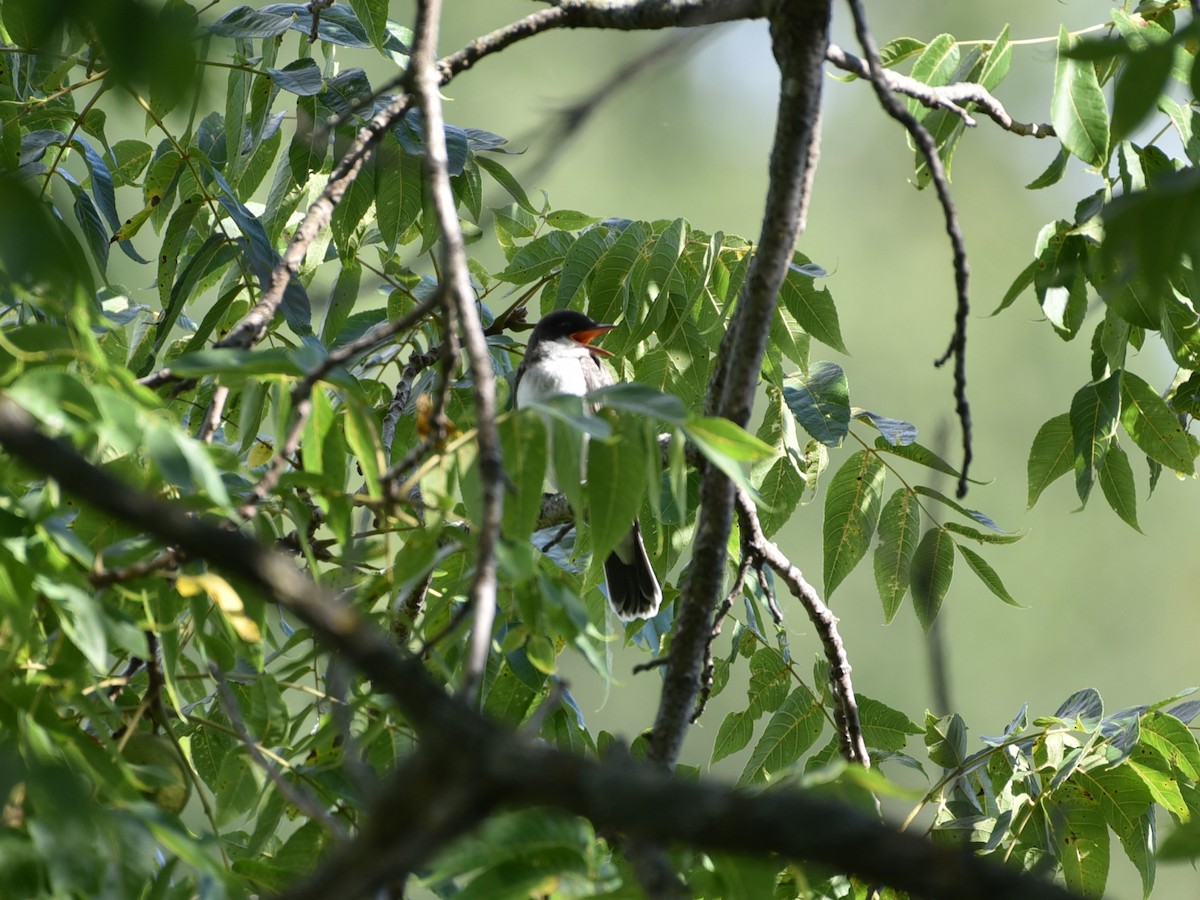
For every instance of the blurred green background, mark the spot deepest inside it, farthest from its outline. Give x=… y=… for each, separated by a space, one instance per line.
x=1106 y=607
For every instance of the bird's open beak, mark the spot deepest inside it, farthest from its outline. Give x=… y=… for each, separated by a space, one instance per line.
x=588 y=335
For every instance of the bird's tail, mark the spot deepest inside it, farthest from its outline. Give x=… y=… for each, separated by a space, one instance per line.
x=633 y=588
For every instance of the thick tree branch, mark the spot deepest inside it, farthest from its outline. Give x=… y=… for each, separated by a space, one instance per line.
x=962 y=272
x=799 y=33
x=469 y=766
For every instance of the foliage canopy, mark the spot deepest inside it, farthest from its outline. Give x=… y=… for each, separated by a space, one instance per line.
x=166 y=731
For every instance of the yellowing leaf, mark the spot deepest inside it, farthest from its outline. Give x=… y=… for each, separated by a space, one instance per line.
x=221 y=592
x=260 y=454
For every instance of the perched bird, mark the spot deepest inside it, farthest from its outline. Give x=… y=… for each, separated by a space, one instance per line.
x=560 y=359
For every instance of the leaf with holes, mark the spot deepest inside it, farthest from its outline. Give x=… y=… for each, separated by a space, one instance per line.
x=899 y=525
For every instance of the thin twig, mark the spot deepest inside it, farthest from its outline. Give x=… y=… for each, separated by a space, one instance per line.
x=301 y=396
x=962 y=272
x=212 y=416
x=850 y=735
x=293 y=794
x=947 y=96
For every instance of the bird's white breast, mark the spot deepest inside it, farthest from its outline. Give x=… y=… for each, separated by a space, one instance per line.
x=548 y=376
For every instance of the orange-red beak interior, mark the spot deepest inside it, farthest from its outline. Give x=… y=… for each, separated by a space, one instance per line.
x=588 y=335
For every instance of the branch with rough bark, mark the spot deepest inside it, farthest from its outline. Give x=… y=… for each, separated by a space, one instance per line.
x=799 y=33
x=466 y=767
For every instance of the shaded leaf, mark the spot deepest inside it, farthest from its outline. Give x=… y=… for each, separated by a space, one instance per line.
x=1077 y=109
x=820 y=401
x=1051 y=456
x=899 y=526
x=989 y=576
x=932 y=569
x=793 y=728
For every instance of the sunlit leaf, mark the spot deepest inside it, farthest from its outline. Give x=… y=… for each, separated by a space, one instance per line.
x=853 y=502
x=1077 y=108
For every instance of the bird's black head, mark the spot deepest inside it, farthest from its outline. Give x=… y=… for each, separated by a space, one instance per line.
x=567 y=323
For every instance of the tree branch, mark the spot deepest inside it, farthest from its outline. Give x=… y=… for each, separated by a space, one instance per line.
x=962 y=272
x=948 y=96
x=461 y=307
x=467 y=766
x=850 y=736
x=799 y=36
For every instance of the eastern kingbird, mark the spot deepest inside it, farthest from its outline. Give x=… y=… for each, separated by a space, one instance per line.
x=560 y=359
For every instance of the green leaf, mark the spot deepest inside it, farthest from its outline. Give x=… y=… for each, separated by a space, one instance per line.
x=1051 y=176
x=1020 y=283
x=811 y=307
x=1124 y=801
x=935 y=66
x=642 y=399
x=932 y=569
x=820 y=401
x=523 y=443
x=579 y=262
x=983 y=537
x=1174 y=740
x=896 y=432
x=1077 y=109
x=727 y=446
x=1051 y=456
x=899 y=525
x=899 y=49
x=998 y=61
x=982 y=518
x=946 y=740
x=884 y=728
x=1162 y=783
x=537 y=258
x=342 y=300
x=80 y=616
x=989 y=576
x=919 y=454
x=1139 y=84
x=397 y=191
x=1094 y=412
x=505 y=179
x=1116 y=480
x=228 y=361
x=616 y=482
x=768 y=688
x=780 y=488
x=372 y=15
x=613 y=276
x=793 y=728
x=1154 y=427
x=570 y=219
x=1081 y=839
x=852 y=506
x=301 y=76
